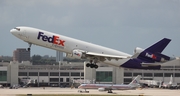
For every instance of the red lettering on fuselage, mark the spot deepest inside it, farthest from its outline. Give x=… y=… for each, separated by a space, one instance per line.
x=61 y=42
x=55 y=39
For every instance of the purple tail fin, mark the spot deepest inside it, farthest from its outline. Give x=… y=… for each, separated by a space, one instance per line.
x=159 y=46
x=153 y=53
x=150 y=58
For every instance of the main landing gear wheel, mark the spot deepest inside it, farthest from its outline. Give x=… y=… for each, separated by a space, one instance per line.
x=110 y=91
x=87 y=65
x=29 y=49
x=92 y=65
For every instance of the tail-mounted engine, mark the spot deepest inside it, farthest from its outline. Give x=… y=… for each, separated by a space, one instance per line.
x=138 y=50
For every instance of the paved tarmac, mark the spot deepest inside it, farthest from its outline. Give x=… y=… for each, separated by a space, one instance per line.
x=57 y=90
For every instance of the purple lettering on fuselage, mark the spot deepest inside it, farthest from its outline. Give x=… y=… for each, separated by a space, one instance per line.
x=52 y=39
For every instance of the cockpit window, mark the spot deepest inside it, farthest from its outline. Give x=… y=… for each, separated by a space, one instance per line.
x=17 y=29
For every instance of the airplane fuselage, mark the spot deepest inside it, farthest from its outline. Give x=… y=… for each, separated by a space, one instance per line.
x=106 y=86
x=150 y=58
x=66 y=44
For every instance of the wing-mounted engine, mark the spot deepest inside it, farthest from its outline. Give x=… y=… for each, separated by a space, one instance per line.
x=105 y=89
x=102 y=89
x=76 y=54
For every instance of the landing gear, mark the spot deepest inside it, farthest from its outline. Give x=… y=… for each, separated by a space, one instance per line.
x=92 y=65
x=83 y=91
x=110 y=91
x=29 y=48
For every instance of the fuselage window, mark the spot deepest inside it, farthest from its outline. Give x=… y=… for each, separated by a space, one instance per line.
x=17 y=29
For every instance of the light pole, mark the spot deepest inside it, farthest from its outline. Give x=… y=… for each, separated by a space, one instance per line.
x=59 y=72
x=174 y=70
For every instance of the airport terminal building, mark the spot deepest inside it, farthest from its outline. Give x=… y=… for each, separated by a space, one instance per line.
x=63 y=74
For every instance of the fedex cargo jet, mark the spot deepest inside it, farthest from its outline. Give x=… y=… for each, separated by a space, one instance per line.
x=150 y=58
x=109 y=87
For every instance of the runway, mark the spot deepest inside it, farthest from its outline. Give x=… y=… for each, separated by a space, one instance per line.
x=57 y=90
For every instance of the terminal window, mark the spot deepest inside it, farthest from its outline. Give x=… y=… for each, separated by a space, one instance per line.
x=127 y=80
x=54 y=73
x=168 y=74
x=177 y=74
x=33 y=73
x=61 y=79
x=104 y=76
x=75 y=74
x=148 y=74
x=158 y=74
x=67 y=80
x=3 y=75
x=64 y=74
x=82 y=73
x=135 y=74
x=22 y=73
x=127 y=74
x=54 y=79
x=43 y=74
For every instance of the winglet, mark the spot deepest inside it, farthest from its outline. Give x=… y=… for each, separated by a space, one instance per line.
x=159 y=46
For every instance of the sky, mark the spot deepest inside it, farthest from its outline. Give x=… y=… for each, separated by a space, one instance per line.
x=119 y=24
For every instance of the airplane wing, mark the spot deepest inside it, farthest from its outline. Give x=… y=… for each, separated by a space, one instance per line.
x=104 y=56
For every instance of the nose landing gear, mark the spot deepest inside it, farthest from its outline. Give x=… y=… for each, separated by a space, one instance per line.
x=29 y=48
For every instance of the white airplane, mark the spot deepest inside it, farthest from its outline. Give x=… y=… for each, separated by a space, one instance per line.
x=150 y=58
x=168 y=84
x=109 y=87
x=1 y=86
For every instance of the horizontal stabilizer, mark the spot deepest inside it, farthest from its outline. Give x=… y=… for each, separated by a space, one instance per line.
x=150 y=64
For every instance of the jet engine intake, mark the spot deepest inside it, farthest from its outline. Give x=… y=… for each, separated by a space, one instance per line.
x=138 y=50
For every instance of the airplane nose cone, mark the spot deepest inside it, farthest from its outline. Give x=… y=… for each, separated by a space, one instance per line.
x=14 y=32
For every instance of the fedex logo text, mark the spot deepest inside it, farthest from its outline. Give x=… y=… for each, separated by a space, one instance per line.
x=54 y=39
x=151 y=56
x=77 y=54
